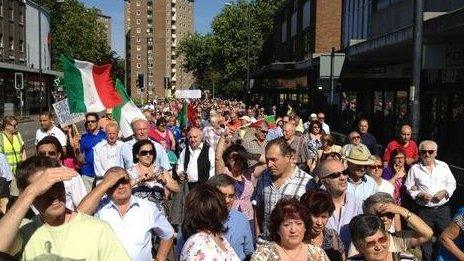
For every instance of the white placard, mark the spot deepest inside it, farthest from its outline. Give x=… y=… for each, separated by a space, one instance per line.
x=64 y=115
x=188 y=94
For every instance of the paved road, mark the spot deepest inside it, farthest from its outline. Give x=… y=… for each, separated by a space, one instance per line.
x=27 y=130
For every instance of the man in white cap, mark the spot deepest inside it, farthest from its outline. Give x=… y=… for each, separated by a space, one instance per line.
x=360 y=185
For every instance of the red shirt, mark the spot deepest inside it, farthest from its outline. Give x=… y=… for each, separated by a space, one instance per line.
x=410 y=150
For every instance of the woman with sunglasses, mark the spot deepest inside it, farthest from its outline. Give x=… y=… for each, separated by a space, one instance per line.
x=150 y=181
x=383 y=207
x=163 y=135
x=396 y=172
x=375 y=171
x=373 y=242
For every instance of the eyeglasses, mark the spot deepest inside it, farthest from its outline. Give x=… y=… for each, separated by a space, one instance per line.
x=359 y=168
x=229 y=196
x=398 y=158
x=263 y=131
x=146 y=152
x=427 y=151
x=376 y=167
x=91 y=121
x=381 y=241
x=48 y=153
x=355 y=137
x=335 y=175
x=321 y=118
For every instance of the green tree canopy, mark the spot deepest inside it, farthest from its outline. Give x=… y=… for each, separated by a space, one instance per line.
x=77 y=32
x=239 y=31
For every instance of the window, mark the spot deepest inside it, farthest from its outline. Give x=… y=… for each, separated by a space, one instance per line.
x=293 y=25
x=138 y=30
x=11 y=43
x=307 y=14
x=137 y=12
x=138 y=40
x=138 y=21
x=1 y=40
x=139 y=57
x=21 y=45
x=137 y=3
x=139 y=48
x=284 y=31
x=1 y=9
x=11 y=14
x=138 y=65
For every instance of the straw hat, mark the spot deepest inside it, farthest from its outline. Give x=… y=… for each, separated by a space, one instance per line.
x=359 y=157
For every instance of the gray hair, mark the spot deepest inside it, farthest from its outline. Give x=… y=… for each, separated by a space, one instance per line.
x=377 y=198
x=428 y=142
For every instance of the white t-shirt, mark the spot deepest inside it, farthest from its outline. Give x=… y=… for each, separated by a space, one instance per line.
x=386 y=187
x=54 y=131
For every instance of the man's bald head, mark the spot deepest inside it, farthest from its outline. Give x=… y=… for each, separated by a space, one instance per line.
x=405 y=133
x=194 y=137
x=140 y=129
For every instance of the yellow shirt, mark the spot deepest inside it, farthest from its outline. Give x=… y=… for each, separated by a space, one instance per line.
x=82 y=238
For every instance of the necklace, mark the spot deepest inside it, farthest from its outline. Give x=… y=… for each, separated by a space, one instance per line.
x=297 y=253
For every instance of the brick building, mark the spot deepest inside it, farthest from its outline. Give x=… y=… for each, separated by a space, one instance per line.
x=153 y=30
x=303 y=30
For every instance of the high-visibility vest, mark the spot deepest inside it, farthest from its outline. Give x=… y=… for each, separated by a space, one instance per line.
x=12 y=149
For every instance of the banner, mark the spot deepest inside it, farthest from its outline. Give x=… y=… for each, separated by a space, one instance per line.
x=64 y=115
x=188 y=94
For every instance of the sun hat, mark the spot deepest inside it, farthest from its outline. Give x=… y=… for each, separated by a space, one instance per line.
x=359 y=157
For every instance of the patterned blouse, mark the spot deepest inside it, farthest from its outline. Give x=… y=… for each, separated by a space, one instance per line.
x=202 y=247
x=243 y=193
x=270 y=252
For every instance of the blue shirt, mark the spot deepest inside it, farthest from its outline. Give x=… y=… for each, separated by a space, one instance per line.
x=88 y=141
x=443 y=253
x=370 y=141
x=127 y=158
x=366 y=188
x=274 y=133
x=341 y=223
x=238 y=235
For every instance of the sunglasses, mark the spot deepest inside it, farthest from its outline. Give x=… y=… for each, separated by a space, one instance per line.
x=146 y=152
x=122 y=181
x=381 y=241
x=388 y=215
x=321 y=118
x=355 y=137
x=90 y=121
x=335 y=175
x=376 y=167
x=48 y=153
x=427 y=151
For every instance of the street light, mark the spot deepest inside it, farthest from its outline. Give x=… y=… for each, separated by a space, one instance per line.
x=248 y=41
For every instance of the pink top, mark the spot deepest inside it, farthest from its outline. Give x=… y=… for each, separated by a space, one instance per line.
x=242 y=200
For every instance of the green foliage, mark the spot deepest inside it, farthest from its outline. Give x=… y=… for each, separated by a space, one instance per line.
x=241 y=30
x=77 y=32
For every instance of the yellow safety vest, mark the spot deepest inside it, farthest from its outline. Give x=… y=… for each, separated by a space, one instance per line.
x=12 y=149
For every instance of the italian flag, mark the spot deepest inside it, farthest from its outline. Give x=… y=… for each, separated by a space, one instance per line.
x=89 y=87
x=126 y=112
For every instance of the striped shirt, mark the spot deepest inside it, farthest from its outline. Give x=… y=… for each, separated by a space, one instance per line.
x=267 y=195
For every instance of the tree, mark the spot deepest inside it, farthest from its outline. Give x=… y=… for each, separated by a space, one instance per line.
x=240 y=28
x=76 y=31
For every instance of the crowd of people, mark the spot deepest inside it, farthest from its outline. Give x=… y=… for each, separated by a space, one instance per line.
x=233 y=182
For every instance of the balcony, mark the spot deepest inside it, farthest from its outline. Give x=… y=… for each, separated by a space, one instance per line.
x=173 y=10
x=174 y=44
x=173 y=70
x=173 y=2
x=173 y=36
x=173 y=62
x=173 y=27
x=174 y=18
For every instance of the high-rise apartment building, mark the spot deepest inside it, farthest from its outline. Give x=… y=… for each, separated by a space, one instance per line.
x=106 y=20
x=153 y=30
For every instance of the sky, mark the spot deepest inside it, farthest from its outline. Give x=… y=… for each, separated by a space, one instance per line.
x=205 y=10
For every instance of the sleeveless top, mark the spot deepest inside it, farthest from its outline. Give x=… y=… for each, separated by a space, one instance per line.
x=12 y=149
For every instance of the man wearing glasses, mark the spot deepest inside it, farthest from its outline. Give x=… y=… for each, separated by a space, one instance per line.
x=256 y=143
x=430 y=183
x=333 y=177
x=93 y=136
x=355 y=143
x=321 y=119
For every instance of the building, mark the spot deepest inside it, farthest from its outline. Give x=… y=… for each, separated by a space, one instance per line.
x=377 y=75
x=303 y=31
x=153 y=30
x=25 y=56
x=106 y=20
